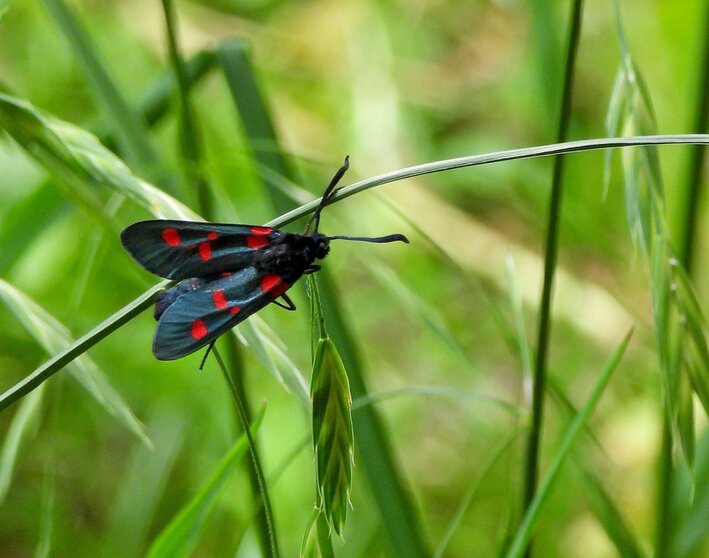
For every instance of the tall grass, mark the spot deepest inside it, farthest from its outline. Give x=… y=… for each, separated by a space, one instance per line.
x=441 y=473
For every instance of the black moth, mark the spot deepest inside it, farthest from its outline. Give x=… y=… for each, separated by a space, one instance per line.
x=227 y=272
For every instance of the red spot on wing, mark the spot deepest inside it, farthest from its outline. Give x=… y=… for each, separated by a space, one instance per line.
x=220 y=301
x=256 y=241
x=261 y=230
x=198 y=329
x=205 y=251
x=212 y=235
x=171 y=237
x=274 y=285
x=234 y=309
x=225 y=274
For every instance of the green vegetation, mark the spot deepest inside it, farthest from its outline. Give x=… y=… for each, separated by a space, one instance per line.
x=530 y=376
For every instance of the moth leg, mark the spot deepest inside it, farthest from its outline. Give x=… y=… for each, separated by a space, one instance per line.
x=312 y=269
x=204 y=359
x=285 y=297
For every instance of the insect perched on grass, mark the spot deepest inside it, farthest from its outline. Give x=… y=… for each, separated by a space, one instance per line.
x=226 y=272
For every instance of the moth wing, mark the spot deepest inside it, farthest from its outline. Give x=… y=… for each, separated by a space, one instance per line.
x=183 y=249
x=198 y=317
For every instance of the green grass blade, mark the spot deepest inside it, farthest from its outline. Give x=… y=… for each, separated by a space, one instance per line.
x=78 y=347
x=426 y=313
x=180 y=536
x=130 y=130
x=261 y=339
x=46 y=527
x=614 y=524
x=54 y=338
x=26 y=220
x=80 y=161
x=21 y=427
x=489 y=158
x=470 y=493
x=142 y=485
x=690 y=517
x=190 y=145
x=524 y=533
x=253 y=111
x=539 y=372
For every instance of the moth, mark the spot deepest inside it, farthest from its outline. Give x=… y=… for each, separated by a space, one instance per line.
x=225 y=272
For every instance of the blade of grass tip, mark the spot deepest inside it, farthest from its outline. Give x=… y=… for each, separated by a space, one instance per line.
x=602 y=505
x=253 y=452
x=190 y=145
x=180 y=536
x=472 y=490
x=22 y=426
x=128 y=126
x=54 y=337
x=529 y=522
x=78 y=347
x=562 y=148
x=531 y=470
x=79 y=160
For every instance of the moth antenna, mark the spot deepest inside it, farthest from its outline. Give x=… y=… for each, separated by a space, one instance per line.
x=376 y=239
x=327 y=195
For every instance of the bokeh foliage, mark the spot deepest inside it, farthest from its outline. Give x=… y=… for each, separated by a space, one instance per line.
x=437 y=336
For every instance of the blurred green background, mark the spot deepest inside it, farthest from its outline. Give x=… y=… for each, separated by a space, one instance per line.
x=392 y=84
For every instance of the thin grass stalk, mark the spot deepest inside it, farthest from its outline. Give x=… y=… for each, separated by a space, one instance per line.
x=190 y=147
x=241 y=410
x=685 y=250
x=488 y=158
x=531 y=471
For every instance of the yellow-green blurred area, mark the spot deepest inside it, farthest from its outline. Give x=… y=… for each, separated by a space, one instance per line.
x=433 y=324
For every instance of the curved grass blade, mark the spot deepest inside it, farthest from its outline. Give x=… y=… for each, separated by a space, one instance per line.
x=81 y=161
x=488 y=158
x=54 y=338
x=73 y=351
x=180 y=536
x=531 y=517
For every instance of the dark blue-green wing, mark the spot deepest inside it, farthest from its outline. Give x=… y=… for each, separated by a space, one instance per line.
x=182 y=249
x=199 y=316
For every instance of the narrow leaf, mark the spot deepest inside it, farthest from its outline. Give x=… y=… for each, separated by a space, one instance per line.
x=180 y=536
